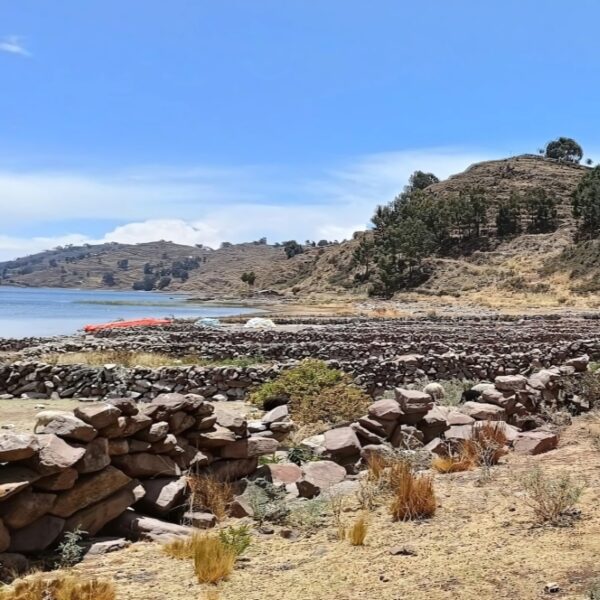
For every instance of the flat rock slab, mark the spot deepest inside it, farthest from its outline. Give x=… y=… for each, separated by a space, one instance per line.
x=89 y=490
x=70 y=427
x=54 y=455
x=98 y=415
x=386 y=410
x=144 y=464
x=319 y=476
x=136 y=526
x=25 y=508
x=483 y=411
x=341 y=442
x=535 y=442
x=14 y=479
x=163 y=495
x=17 y=446
x=96 y=456
x=249 y=447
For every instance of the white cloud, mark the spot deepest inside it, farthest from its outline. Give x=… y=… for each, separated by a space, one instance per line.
x=211 y=205
x=13 y=45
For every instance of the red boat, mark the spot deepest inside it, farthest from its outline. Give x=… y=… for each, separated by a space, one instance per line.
x=132 y=323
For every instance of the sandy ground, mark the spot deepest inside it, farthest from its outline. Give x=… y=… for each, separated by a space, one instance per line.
x=21 y=413
x=481 y=544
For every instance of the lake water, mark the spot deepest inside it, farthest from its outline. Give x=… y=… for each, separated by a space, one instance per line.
x=36 y=312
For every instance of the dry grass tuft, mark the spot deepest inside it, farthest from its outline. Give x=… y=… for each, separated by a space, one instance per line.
x=358 y=531
x=206 y=492
x=552 y=500
x=213 y=559
x=63 y=587
x=413 y=496
x=465 y=461
x=490 y=442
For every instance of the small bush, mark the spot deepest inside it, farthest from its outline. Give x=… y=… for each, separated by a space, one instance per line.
x=236 y=538
x=594 y=593
x=70 y=550
x=316 y=393
x=551 y=499
x=206 y=492
x=64 y=587
x=358 y=531
x=489 y=440
x=464 y=461
x=413 y=495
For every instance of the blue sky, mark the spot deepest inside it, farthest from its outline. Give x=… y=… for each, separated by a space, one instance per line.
x=203 y=121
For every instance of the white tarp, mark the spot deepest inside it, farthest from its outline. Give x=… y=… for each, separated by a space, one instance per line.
x=259 y=323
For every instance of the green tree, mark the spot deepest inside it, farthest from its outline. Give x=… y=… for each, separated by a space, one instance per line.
x=292 y=248
x=541 y=211
x=123 y=264
x=586 y=204
x=565 y=149
x=363 y=256
x=508 y=217
x=419 y=180
x=249 y=278
x=108 y=279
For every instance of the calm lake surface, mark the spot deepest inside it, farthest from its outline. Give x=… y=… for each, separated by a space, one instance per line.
x=28 y=312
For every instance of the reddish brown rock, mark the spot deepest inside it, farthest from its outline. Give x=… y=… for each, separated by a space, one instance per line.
x=215 y=437
x=482 y=411
x=4 y=538
x=14 y=479
x=156 y=432
x=127 y=426
x=163 y=495
x=64 y=480
x=230 y=470
x=89 y=490
x=147 y=465
x=181 y=421
x=535 y=442
x=386 y=410
x=319 y=476
x=25 y=508
x=249 y=447
x=54 y=455
x=341 y=442
x=17 y=446
x=69 y=427
x=93 y=518
x=413 y=401
x=97 y=414
x=510 y=383
x=127 y=406
x=96 y=456
x=118 y=447
x=37 y=536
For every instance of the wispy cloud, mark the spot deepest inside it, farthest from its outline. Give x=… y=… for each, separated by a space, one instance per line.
x=207 y=205
x=13 y=44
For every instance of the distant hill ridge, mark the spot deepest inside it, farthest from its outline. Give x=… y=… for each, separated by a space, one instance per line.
x=209 y=273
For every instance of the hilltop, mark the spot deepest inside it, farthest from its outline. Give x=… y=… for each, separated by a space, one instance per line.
x=521 y=265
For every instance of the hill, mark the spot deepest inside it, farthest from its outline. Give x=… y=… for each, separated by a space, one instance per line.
x=526 y=267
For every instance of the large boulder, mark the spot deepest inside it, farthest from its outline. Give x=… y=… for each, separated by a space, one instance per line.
x=37 y=536
x=89 y=490
x=54 y=455
x=341 y=443
x=17 y=446
x=535 y=442
x=319 y=476
x=25 y=508
x=97 y=414
x=70 y=427
x=145 y=464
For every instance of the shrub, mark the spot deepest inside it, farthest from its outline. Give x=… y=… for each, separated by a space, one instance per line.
x=316 y=393
x=464 y=461
x=594 y=592
x=551 y=499
x=236 y=538
x=489 y=440
x=413 y=495
x=358 y=531
x=206 y=492
x=70 y=551
x=63 y=587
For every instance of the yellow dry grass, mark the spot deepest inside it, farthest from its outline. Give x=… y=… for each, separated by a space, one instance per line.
x=358 y=530
x=213 y=560
x=413 y=496
x=58 y=587
x=206 y=492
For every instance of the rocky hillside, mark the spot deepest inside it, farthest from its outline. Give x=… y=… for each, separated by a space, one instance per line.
x=514 y=266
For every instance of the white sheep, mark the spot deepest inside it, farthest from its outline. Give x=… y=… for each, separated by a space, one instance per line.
x=435 y=390
x=47 y=416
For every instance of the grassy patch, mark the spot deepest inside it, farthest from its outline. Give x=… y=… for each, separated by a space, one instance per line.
x=61 y=587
